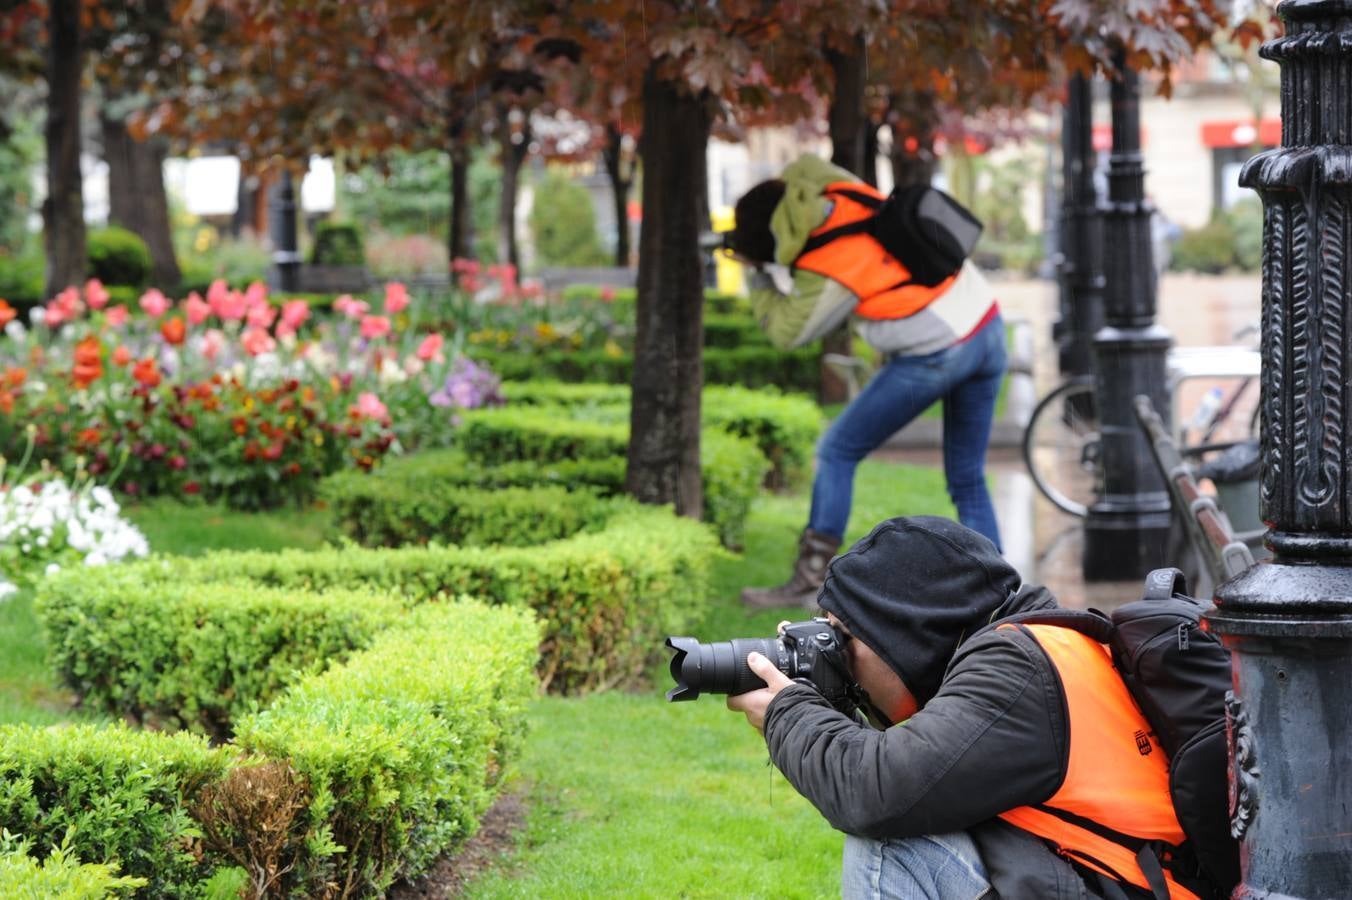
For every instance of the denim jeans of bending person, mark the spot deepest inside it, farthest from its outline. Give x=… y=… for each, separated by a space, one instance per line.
x=966 y=377
x=932 y=867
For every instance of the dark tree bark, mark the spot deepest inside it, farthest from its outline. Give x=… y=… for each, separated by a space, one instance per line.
x=63 y=211
x=853 y=148
x=914 y=124
x=621 y=173
x=515 y=148
x=136 y=197
x=246 y=200
x=461 y=242
x=664 y=445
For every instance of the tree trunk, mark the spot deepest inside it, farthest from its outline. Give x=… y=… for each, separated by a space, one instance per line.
x=664 y=454
x=136 y=197
x=461 y=242
x=620 y=183
x=513 y=155
x=850 y=145
x=915 y=122
x=63 y=211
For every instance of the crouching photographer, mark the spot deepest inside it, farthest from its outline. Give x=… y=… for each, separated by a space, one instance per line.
x=1020 y=767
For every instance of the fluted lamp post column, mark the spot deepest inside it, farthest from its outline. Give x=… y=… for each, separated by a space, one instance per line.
x=1289 y=622
x=1126 y=533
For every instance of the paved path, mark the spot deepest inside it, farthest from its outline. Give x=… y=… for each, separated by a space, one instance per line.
x=1042 y=542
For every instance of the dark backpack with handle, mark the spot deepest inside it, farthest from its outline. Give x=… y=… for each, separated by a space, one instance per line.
x=1179 y=676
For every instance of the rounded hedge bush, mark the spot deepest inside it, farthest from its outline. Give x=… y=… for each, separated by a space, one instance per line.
x=118 y=257
x=338 y=244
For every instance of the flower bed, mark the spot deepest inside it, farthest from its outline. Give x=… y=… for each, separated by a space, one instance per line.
x=231 y=396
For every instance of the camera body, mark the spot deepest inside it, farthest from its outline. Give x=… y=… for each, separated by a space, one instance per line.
x=812 y=651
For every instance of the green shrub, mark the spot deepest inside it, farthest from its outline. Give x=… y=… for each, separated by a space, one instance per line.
x=118 y=256
x=540 y=434
x=1246 y=218
x=195 y=656
x=21 y=280
x=59 y=877
x=625 y=298
x=111 y=795
x=795 y=370
x=402 y=746
x=563 y=222
x=386 y=509
x=338 y=244
x=1209 y=249
x=732 y=331
x=238 y=261
x=785 y=428
x=606 y=598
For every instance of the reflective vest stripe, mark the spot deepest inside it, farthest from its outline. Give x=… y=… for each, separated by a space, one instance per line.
x=1117 y=777
x=856 y=260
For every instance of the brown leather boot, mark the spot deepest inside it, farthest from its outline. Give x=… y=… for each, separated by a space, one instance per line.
x=809 y=571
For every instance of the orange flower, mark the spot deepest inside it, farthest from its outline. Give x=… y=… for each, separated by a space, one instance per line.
x=6 y=402
x=121 y=356
x=146 y=372
x=89 y=437
x=173 y=330
x=15 y=376
x=88 y=362
x=7 y=313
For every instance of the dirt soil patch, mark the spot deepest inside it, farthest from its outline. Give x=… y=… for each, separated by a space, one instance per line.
x=495 y=838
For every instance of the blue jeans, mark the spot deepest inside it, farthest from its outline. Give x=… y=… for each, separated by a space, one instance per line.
x=966 y=377
x=933 y=867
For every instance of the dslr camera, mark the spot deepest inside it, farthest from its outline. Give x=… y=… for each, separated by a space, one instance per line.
x=811 y=652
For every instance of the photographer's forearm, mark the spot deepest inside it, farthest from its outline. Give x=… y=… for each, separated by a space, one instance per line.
x=782 y=316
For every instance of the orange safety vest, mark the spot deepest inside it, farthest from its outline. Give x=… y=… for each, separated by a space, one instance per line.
x=1117 y=776
x=855 y=259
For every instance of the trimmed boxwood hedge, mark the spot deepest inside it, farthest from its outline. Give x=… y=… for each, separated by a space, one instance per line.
x=732 y=467
x=748 y=366
x=195 y=655
x=356 y=776
x=606 y=598
x=785 y=427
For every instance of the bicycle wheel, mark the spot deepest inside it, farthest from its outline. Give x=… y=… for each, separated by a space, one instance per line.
x=1061 y=446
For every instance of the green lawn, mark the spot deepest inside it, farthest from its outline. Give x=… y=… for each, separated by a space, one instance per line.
x=629 y=796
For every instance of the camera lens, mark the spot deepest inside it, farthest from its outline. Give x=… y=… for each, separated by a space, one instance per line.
x=720 y=667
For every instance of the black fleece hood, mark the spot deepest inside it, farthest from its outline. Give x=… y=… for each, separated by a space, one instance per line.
x=915 y=588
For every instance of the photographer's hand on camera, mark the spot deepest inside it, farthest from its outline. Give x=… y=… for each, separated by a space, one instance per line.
x=755 y=703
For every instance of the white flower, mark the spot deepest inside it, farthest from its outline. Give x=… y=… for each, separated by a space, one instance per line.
x=17 y=332
x=52 y=568
x=6 y=589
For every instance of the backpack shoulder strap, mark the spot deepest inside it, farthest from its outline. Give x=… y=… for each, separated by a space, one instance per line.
x=1090 y=622
x=862 y=226
x=1161 y=584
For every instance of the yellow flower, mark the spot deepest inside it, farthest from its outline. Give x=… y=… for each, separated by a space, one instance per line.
x=613 y=350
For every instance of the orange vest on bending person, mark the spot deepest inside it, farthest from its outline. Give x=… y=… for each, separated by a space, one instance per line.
x=1117 y=776
x=856 y=260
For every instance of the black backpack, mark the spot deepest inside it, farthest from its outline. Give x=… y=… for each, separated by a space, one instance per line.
x=927 y=231
x=1179 y=676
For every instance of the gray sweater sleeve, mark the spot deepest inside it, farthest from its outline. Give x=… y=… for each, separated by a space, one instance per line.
x=992 y=739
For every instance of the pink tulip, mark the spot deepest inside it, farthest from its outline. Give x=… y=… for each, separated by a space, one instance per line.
x=68 y=304
x=230 y=307
x=196 y=309
x=95 y=294
x=350 y=307
x=294 y=313
x=373 y=327
x=396 y=298
x=262 y=316
x=216 y=291
x=430 y=347
x=368 y=406
x=256 y=341
x=256 y=294
x=53 y=315
x=154 y=304
x=117 y=315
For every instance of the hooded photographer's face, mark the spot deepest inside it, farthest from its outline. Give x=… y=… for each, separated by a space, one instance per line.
x=884 y=686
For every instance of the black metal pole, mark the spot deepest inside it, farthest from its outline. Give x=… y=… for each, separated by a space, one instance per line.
x=1289 y=622
x=1126 y=533
x=282 y=229
x=1081 y=239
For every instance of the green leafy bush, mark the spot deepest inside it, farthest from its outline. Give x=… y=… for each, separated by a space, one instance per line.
x=60 y=876
x=403 y=745
x=338 y=244
x=606 y=598
x=1246 y=218
x=749 y=366
x=563 y=222
x=111 y=795
x=785 y=428
x=118 y=256
x=1209 y=249
x=732 y=331
x=540 y=434
x=393 y=510
x=21 y=279
x=195 y=655
x=237 y=260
